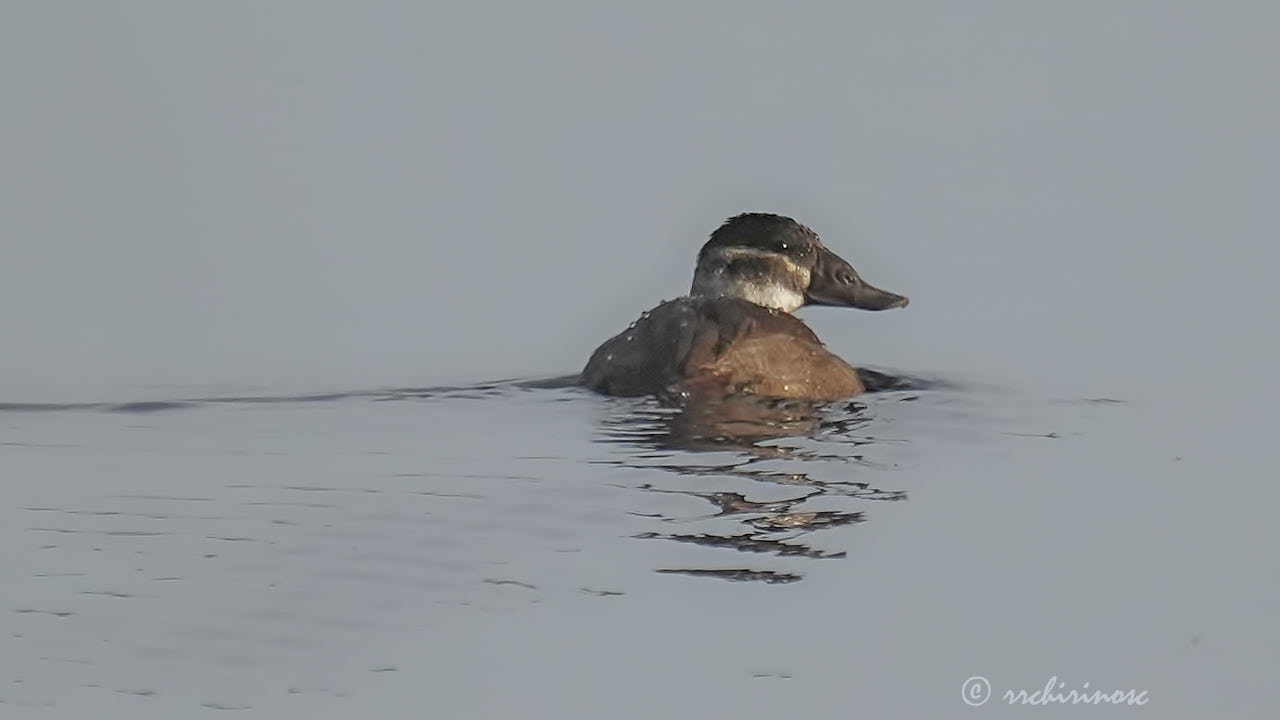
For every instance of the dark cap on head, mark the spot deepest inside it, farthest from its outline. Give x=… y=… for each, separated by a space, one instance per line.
x=764 y=231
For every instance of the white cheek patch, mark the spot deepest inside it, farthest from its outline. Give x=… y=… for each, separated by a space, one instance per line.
x=771 y=295
x=711 y=279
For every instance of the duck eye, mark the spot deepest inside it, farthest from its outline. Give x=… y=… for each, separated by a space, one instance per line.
x=845 y=277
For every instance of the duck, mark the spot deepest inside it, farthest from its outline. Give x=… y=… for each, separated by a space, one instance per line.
x=734 y=333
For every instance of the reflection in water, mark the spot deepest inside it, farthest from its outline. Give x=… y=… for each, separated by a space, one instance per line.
x=219 y=547
x=768 y=576
x=806 y=450
x=747 y=427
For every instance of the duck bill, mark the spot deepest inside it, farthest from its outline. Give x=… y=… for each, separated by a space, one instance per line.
x=834 y=282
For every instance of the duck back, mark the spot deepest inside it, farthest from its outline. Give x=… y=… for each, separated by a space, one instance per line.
x=718 y=345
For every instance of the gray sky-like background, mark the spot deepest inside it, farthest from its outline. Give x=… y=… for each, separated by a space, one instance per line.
x=326 y=194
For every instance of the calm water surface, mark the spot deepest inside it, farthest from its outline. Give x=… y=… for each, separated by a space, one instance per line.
x=504 y=550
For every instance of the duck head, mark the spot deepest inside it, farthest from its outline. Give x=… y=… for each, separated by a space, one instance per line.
x=776 y=262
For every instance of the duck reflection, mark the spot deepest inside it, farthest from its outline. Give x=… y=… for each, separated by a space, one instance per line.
x=795 y=446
